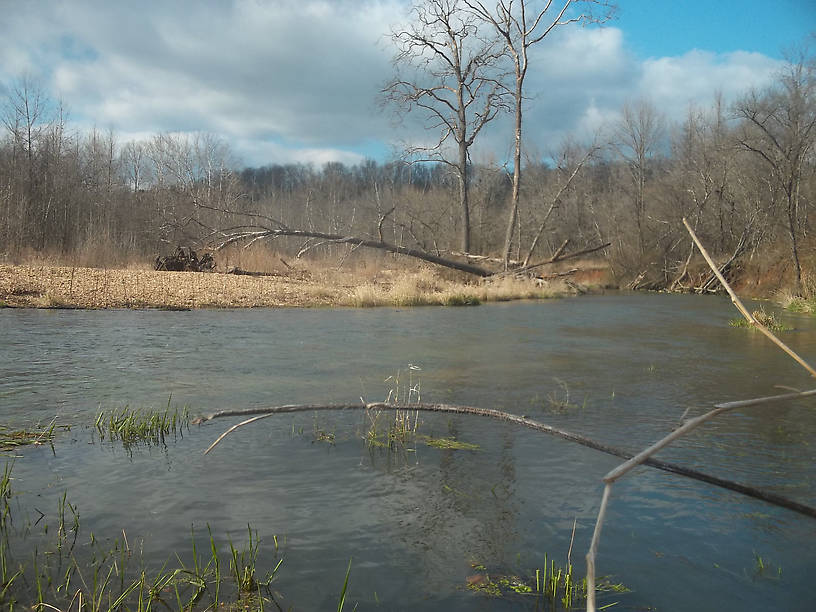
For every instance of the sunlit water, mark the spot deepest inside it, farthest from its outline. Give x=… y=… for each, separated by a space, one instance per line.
x=413 y=523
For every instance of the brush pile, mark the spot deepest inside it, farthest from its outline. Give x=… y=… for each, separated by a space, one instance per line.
x=185 y=261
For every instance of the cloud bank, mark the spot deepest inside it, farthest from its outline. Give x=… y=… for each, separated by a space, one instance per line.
x=299 y=81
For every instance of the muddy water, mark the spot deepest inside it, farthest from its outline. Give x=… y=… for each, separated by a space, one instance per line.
x=622 y=369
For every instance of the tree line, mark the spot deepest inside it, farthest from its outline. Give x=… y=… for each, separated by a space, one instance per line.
x=742 y=172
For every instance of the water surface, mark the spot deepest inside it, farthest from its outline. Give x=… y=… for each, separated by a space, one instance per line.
x=627 y=366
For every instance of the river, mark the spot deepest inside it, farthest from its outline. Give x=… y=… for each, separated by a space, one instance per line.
x=622 y=369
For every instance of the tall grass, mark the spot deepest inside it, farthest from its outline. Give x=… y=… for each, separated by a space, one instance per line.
x=132 y=426
x=405 y=389
x=425 y=288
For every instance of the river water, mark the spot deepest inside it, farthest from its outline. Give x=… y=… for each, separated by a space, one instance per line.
x=622 y=369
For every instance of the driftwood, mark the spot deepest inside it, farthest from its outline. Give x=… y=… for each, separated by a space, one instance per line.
x=767 y=496
x=645 y=456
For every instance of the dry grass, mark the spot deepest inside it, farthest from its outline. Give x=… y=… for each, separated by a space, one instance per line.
x=424 y=287
x=364 y=279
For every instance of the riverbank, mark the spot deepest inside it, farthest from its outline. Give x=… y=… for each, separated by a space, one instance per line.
x=45 y=286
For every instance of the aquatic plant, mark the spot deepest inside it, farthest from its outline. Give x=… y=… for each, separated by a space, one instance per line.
x=401 y=431
x=768 y=319
x=39 y=569
x=448 y=443
x=13 y=438
x=344 y=590
x=131 y=426
x=764 y=569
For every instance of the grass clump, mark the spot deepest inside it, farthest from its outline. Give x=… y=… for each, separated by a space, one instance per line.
x=766 y=319
x=133 y=426
x=554 y=586
x=11 y=439
x=400 y=432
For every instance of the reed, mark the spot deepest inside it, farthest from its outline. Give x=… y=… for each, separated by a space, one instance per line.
x=342 y=601
x=132 y=426
x=404 y=391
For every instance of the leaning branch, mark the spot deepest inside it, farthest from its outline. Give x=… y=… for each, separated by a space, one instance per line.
x=741 y=307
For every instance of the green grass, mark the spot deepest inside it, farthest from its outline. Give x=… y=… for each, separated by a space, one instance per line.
x=767 y=319
x=554 y=586
x=132 y=426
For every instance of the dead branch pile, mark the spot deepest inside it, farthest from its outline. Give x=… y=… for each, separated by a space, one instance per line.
x=185 y=260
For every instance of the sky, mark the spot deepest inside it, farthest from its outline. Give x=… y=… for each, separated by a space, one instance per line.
x=298 y=81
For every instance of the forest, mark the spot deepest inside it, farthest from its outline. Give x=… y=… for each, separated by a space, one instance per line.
x=742 y=172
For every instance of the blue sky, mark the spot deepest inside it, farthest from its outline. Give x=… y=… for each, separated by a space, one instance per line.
x=297 y=80
x=667 y=28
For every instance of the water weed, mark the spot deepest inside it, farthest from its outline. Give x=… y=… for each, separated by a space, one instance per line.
x=133 y=426
x=11 y=439
x=448 y=443
x=399 y=432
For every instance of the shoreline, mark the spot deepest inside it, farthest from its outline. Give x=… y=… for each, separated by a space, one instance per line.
x=73 y=287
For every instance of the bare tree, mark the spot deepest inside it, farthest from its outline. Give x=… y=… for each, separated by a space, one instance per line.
x=447 y=70
x=637 y=137
x=779 y=127
x=520 y=25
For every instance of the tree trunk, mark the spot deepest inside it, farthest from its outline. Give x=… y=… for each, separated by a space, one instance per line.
x=514 y=201
x=464 y=204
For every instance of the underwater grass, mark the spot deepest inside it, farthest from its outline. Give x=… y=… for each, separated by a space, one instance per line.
x=132 y=426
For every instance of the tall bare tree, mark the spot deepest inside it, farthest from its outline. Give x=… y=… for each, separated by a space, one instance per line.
x=637 y=138
x=446 y=69
x=779 y=127
x=521 y=24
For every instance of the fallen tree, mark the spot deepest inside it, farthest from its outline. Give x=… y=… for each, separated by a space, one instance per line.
x=236 y=235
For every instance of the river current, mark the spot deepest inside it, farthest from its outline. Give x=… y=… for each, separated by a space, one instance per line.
x=622 y=369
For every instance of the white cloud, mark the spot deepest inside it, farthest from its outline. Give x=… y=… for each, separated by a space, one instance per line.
x=673 y=83
x=289 y=80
